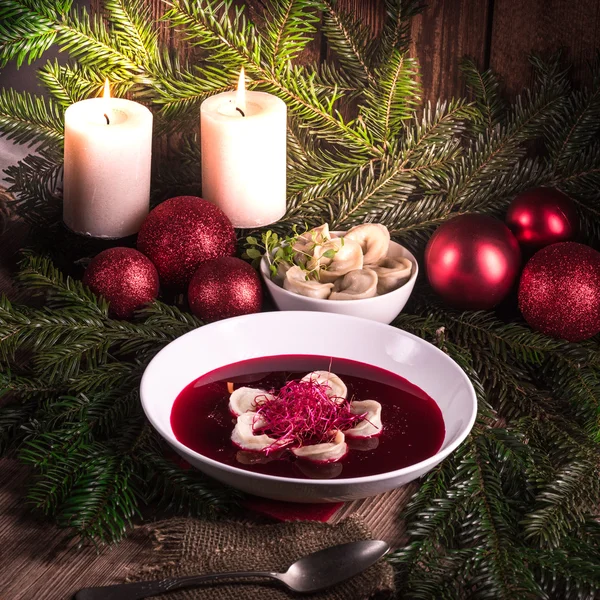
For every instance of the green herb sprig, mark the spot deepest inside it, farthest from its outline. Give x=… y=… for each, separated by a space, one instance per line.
x=277 y=249
x=280 y=249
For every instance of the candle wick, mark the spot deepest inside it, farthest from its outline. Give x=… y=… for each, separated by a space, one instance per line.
x=240 y=111
x=107 y=119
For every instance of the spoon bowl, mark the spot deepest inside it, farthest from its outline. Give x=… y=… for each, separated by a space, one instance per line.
x=311 y=573
x=333 y=565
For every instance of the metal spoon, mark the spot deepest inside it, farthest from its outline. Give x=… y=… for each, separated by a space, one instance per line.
x=311 y=573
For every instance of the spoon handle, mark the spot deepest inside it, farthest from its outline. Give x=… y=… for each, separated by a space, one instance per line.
x=145 y=589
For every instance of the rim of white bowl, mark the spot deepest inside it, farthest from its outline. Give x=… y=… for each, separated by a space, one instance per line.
x=431 y=461
x=264 y=271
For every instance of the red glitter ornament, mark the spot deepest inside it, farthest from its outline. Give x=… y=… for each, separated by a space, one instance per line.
x=224 y=287
x=125 y=277
x=541 y=217
x=559 y=291
x=183 y=232
x=472 y=261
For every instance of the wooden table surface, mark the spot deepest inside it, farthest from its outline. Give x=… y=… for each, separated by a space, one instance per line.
x=38 y=561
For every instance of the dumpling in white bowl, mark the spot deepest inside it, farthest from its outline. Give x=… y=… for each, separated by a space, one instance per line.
x=374 y=240
x=282 y=268
x=308 y=240
x=355 y=285
x=392 y=273
x=336 y=258
x=295 y=281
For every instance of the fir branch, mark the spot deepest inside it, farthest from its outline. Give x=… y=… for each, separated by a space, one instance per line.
x=499 y=576
x=168 y=318
x=316 y=174
x=316 y=108
x=39 y=273
x=580 y=174
x=290 y=26
x=133 y=25
x=39 y=24
x=579 y=385
x=430 y=534
x=102 y=501
x=395 y=34
x=27 y=29
x=13 y=416
x=397 y=85
x=109 y=376
x=418 y=158
x=504 y=339
x=178 y=90
x=180 y=488
x=231 y=40
x=564 y=505
x=486 y=89
x=60 y=458
x=577 y=125
x=34 y=185
x=351 y=41
x=68 y=84
x=568 y=575
x=28 y=119
x=88 y=41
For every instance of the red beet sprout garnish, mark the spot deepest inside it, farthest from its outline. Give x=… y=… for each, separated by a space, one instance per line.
x=302 y=413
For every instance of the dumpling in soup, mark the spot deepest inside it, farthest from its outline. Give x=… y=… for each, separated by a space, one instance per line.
x=245 y=399
x=371 y=424
x=336 y=387
x=244 y=437
x=331 y=451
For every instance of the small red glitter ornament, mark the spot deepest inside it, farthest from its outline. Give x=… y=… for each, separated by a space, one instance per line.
x=472 y=261
x=224 y=287
x=559 y=291
x=183 y=232
x=541 y=217
x=125 y=277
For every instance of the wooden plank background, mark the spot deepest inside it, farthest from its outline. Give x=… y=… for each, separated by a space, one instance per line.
x=495 y=33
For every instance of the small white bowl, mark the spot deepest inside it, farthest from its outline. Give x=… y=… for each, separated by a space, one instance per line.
x=383 y=309
x=283 y=333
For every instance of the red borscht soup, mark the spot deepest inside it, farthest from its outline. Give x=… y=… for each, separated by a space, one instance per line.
x=413 y=427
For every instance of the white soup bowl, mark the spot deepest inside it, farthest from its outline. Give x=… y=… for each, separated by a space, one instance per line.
x=384 y=308
x=283 y=333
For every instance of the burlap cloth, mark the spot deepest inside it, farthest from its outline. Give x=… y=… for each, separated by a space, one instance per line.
x=192 y=547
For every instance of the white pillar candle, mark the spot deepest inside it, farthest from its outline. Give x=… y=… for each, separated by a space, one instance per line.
x=243 y=143
x=108 y=148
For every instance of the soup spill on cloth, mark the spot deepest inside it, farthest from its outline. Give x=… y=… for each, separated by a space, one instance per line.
x=413 y=427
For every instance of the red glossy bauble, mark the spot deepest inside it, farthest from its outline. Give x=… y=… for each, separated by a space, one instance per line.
x=472 y=261
x=183 y=232
x=224 y=287
x=559 y=291
x=125 y=277
x=541 y=217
